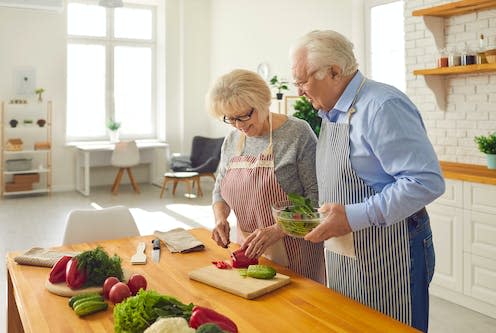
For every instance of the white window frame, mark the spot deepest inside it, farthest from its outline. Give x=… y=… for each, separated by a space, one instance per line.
x=110 y=42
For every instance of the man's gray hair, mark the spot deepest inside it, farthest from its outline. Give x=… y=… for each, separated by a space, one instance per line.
x=324 y=48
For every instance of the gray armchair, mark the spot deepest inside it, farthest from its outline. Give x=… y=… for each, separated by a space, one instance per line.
x=204 y=157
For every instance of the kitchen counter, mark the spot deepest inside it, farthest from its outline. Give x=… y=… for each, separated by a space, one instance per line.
x=301 y=306
x=468 y=172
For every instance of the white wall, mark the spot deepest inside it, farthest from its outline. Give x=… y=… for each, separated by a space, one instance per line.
x=203 y=39
x=246 y=33
x=470 y=99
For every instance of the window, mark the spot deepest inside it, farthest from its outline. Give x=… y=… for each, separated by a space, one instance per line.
x=387 y=42
x=110 y=71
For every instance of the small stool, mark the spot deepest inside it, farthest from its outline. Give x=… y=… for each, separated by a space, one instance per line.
x=188 y=177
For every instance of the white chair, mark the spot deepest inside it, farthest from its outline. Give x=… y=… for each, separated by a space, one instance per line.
x=87 y=225
x=126 y=154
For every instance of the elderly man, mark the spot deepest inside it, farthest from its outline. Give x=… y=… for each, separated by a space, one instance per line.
x=376 y=172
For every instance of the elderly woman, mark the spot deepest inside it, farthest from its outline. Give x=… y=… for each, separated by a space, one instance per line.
x=265 y=157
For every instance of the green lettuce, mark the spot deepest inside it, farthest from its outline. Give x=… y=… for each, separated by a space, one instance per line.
x=137 y=313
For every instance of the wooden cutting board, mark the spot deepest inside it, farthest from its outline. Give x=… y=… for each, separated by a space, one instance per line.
x=62 y=289
x=231 y=281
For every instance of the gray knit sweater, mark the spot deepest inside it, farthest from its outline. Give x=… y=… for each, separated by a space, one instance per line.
x=294 y=157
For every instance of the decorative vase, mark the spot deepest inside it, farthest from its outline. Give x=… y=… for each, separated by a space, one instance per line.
x=491 y=161
x=114 y=136
x=279 y=96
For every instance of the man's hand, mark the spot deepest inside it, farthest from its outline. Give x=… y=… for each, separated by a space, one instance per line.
x=335 y=224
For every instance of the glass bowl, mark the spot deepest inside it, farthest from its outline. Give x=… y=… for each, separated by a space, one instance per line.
x=293 y=223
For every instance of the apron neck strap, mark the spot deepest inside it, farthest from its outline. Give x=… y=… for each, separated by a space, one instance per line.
x=352 y=108
x=242 y=139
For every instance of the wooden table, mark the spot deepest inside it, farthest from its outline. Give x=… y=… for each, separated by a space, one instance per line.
x=301 y=306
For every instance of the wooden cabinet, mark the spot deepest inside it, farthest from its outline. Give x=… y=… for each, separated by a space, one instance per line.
x=464 y=234
x=26 y=148
x=452 y=9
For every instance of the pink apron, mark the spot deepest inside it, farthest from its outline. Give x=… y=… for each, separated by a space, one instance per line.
x=250 y=187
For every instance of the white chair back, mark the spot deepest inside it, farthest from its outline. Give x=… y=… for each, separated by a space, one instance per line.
x=88 y=225
x=126 y=154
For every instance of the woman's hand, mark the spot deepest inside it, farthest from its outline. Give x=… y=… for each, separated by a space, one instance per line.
x=220 y=234
x=259 y=240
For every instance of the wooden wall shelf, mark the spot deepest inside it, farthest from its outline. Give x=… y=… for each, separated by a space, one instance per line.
x=468 y=172
x=456 y=8
x=469 y=69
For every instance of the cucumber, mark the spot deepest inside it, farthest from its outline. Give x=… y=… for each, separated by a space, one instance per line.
x=80 y=296
x=89 y=307
x=261 y=272
x=87 y=299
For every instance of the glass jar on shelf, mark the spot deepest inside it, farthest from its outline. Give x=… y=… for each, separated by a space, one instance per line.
x=442 y=61
x=454 y=58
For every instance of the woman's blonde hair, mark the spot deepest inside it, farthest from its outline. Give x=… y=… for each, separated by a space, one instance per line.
x=325 y=48
x=236 y=91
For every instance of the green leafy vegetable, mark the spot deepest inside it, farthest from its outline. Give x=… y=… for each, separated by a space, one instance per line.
x=136 y=313
x=298 y=218
x=99 y=265
x=300 y=205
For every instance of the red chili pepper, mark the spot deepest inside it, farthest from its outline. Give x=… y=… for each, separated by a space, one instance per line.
x=240 y=260
x=201 y=315
x=57 y=274
x=221 y=264
x=74 y=277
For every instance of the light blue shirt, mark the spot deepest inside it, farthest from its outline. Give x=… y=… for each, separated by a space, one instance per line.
x=390 y=151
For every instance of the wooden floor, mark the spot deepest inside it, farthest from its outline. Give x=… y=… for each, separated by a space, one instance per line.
x=27 y=222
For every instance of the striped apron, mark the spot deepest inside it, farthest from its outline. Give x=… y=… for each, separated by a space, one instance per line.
x=250 y=187
x=377 y=273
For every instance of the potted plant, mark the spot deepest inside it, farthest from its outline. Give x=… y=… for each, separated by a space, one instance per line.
x=113 y=127
x=41 y=122
x=39 y=92
x=487 y=145
x=305 y=111
x=279 y=85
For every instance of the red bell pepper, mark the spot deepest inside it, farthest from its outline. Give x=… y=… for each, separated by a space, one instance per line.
x=201 y=315
x=221 y=264
x=74 y=277
x=240 y=260
x=57 y=274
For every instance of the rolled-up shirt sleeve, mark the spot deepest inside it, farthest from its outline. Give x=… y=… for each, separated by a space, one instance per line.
x=410 y=177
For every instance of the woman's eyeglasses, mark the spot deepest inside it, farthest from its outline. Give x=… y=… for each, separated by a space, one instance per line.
x=232 y=120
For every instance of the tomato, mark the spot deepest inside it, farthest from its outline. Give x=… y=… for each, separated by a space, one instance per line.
x=108 y=284
x=119 y=292
x=136 y=282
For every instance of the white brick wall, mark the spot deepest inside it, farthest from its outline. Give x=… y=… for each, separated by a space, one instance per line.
x=470 y=108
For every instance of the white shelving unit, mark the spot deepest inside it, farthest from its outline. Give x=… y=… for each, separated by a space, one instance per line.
x=32 y=134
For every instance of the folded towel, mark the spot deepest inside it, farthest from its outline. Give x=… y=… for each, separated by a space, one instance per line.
x=179 y=240
x=38 y=256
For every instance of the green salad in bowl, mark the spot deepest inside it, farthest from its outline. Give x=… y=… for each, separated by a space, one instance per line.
x=296 y=216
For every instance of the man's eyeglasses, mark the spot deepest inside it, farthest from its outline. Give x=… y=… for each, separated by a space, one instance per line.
x=300 y=84
x=232 y=120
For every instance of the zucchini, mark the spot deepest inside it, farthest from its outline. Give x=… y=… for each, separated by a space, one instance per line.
x=261 y=272
x=89 y=307
x=87 y=299
x=81 y=296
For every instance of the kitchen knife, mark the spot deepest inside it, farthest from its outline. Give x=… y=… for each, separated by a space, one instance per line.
x=156 y=250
